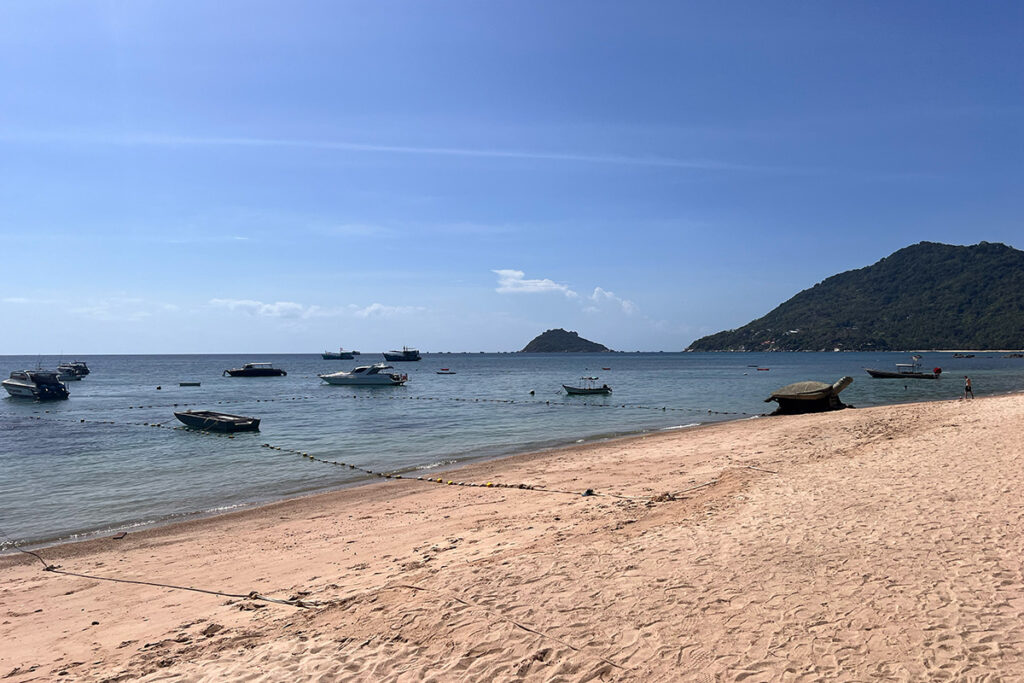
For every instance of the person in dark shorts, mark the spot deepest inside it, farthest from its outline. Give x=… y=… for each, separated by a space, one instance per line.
x=968 y=391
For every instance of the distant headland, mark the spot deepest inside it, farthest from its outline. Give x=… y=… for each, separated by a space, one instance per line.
x=925 y=296
x=561 y=341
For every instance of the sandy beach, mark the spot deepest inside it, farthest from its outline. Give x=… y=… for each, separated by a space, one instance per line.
x=872 y=543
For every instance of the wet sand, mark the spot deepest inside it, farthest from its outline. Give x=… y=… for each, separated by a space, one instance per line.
x=873 y=543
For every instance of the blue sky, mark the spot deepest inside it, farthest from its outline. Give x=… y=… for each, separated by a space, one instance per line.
x=288 y=177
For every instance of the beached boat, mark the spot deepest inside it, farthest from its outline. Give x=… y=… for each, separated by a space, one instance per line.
x=906 y=371
x=340 y=354
x=40 y=385
x=367 y=375
x=212 y=421
x=256 y=370
x=809 y=396
x=589 y=387
x=406 y=354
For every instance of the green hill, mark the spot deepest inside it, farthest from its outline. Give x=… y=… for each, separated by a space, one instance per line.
x=558 y=341
x=925 y=296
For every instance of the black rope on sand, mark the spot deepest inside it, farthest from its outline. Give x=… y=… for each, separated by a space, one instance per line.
x=252 y=595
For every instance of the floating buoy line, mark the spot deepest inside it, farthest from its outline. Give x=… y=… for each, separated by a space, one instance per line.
x=380 y=474
x=452 y=399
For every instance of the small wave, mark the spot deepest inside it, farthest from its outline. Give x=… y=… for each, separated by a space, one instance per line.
x=439 y=463
x=686 y=426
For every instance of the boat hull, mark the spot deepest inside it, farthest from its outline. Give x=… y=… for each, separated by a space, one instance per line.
x=885 y=374
x=211 y=421
x=46 y=392
x=334 y=355
x=371 y=381
x=255 y=372
x=587 y=391
x=393 y=357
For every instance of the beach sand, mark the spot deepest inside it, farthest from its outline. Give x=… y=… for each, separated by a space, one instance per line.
x=872 y=543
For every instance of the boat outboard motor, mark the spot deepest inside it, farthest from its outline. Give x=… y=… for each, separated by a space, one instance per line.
x=937 y=371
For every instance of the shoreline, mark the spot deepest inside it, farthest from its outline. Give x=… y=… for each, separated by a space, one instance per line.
x=198 y=519
x=137 y=527
x=881 y=541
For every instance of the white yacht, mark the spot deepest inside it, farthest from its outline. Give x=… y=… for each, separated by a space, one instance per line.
x=367 y=374
x=37 y=384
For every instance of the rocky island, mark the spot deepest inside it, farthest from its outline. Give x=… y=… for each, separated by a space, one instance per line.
x=561 y=341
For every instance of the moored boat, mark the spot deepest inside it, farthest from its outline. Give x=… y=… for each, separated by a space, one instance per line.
x=256 y=370
x=367 y=375
x=589 y=387
x=212 y=421
x=406 y=354
x=73 y=369
x=340 y=354
x=41 y=385
x=809 y=396
x=905 y=371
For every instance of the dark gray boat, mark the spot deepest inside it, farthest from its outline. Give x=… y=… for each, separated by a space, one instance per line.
x=256 y=370
x=809 y=397
x=589 y=388
x=212 y=421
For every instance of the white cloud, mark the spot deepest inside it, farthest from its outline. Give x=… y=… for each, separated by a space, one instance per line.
x=278 y=309
x=515 y=282
x=382 y=311
x=602 y=295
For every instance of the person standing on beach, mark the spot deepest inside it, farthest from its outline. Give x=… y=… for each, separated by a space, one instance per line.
x=968 y=391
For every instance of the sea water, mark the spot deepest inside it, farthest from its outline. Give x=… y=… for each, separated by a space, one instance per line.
x=95 y=464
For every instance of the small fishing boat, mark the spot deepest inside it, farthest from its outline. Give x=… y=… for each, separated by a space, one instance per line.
x=367 y=375
x=212 y=421
x=406 y=354
x=340 y=354
x=589 y=387
x=255 y=370
x=809 y=396
x=445 y=371
x=41 y=385
x=906 y=371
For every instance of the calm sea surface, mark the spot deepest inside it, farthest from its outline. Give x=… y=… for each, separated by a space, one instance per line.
x=66 y=473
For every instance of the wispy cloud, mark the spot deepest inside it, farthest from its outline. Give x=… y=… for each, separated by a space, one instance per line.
x=515 y=282
x=158 y=140
x=278 y=309
x=118 y=308
x=294 y=310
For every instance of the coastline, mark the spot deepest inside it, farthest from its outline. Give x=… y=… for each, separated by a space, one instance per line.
x=877 y=541
x=467 y=468
x=138 y=527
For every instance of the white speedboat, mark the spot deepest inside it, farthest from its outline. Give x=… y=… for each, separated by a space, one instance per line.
x=367 y=374
x=40 y=385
